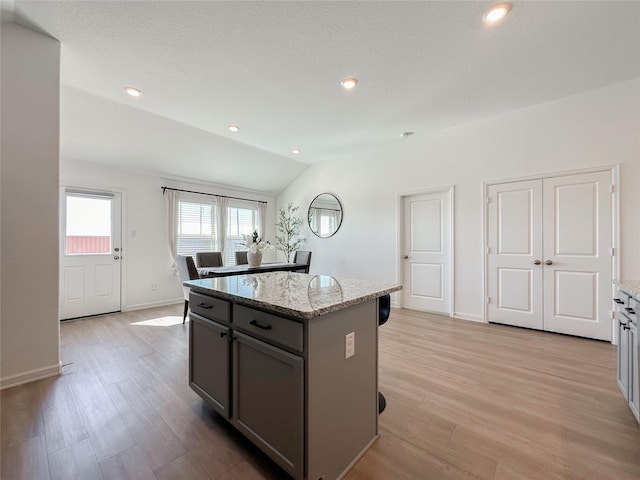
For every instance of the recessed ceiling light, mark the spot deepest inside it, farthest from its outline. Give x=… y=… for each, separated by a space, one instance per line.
x=133 y=91
x=233 y=128
x=296 y=151
x=349 y=83
x=496 y=13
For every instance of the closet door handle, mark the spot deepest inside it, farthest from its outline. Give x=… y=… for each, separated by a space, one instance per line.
x=548 y=262
x=537 y=262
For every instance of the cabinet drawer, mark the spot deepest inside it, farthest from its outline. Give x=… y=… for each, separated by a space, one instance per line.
x=269 y=327
x=622 y=299
x=209 y=307
x=623 y=318
x=633 y=309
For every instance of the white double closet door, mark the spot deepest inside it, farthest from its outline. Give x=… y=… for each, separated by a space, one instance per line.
x=550 y=254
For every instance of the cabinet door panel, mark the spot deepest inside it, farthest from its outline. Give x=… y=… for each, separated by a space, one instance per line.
x=634 y=374
x=623 y=354
x=209 y=362
x=268 y=400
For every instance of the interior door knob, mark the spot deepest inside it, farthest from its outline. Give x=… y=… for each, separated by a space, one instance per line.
x=406 y=257
x=116 y=257
x=536 y=262
x=548 y=262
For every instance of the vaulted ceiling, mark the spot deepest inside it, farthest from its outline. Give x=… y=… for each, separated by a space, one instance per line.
x=274 y=68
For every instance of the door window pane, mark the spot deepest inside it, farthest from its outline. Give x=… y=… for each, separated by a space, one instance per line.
x=88 y=229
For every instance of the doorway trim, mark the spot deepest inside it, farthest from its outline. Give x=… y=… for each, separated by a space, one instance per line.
x=614 y=170
x=400 y=196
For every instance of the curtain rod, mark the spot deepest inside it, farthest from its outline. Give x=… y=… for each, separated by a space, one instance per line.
x=211 y=194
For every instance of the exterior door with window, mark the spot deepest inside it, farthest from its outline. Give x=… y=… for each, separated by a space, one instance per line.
x=90 y=265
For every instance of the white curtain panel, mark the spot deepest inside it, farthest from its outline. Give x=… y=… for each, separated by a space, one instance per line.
x=222 y=219
x=172 y=215
x=262 y=218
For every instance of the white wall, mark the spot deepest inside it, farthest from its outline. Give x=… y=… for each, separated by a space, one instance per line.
x=146 y=256
x=596 y=128
x=30 y=87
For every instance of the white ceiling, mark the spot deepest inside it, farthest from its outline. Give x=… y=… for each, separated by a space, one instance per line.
x=274 y=68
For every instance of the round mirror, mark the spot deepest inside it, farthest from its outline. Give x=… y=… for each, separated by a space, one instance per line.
x=325 y=215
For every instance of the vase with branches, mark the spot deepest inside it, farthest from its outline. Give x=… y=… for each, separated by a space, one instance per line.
x=288 y=239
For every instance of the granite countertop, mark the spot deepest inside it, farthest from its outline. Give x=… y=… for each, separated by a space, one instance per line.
x=297 y=295
x=632 y=287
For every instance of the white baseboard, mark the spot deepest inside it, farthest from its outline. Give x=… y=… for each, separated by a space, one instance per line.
x=161 y=303
x=468 y=316
x=31 y=376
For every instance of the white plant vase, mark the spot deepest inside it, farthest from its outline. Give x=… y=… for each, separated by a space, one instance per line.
x=254 y=259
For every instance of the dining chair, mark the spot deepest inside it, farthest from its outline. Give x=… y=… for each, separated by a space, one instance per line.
x=209 y=259
x=302 y=258
x=241 y=258
x=187 y=271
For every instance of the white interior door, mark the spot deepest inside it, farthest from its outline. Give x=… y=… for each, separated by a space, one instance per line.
x=427 y=252
x=515 y=269
x=577 y=254
x=90 y=264
x=549 y=259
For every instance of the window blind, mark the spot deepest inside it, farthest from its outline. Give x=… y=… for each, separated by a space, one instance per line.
x=241 y=221
x=197 y=230
x=200 y=227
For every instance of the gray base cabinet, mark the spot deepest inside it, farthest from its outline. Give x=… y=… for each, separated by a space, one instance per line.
x=628 y=355
x=634 y=374
x=209 y=362
x=268 y=400
x=623 y=354
x=285 y=382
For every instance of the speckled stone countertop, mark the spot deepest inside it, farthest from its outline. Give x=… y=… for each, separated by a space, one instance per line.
x=632 y=287
x=297 y=295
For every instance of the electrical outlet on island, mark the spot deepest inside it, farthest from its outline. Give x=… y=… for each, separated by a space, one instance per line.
x=349 y=345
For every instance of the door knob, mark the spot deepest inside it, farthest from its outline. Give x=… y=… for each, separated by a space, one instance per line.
x=116 y=249
x=406 y=257
x=548 y=262
x=536 y=262
x=116 y=257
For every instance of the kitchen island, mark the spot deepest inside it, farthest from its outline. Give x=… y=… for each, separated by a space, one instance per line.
x=291 y=360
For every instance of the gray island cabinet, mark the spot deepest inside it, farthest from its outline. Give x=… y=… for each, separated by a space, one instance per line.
x=291 y=360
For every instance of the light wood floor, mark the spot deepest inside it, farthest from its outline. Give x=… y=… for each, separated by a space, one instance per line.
x=464 y=401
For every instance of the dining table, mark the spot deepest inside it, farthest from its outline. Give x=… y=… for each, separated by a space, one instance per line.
x=227 y=271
